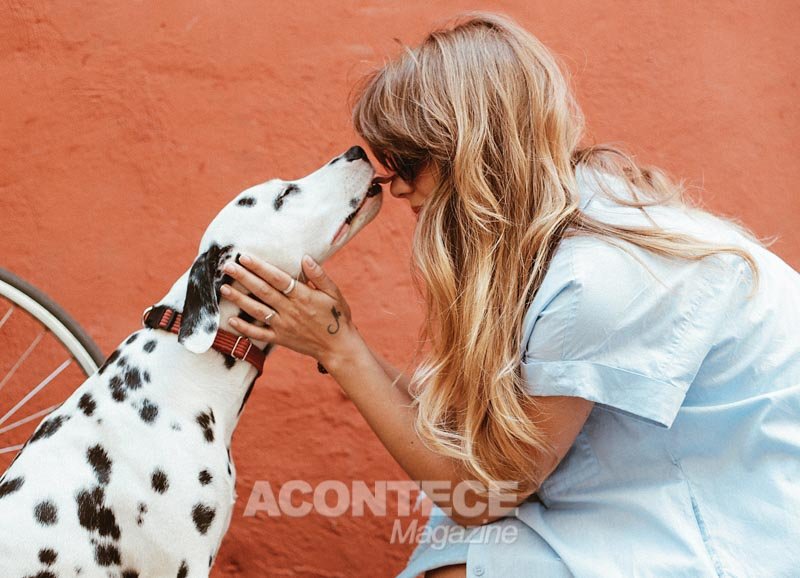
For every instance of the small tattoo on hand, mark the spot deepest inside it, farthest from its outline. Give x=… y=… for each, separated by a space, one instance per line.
x=336 y=315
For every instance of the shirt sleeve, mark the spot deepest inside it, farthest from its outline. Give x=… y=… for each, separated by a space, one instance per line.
x=627 y=330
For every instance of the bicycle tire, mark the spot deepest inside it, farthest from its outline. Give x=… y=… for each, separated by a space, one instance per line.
x=68 y=331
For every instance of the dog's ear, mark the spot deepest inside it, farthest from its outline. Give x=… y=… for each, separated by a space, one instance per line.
x=201 y=308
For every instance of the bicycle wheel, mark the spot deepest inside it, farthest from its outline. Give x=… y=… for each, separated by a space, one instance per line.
x=42 y=345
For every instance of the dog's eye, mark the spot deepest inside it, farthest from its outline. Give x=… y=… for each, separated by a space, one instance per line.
x=291 y=188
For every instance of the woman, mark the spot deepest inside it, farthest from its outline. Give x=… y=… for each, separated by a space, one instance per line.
x=573 y=298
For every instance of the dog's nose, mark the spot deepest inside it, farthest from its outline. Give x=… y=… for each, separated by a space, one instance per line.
x=355 y=153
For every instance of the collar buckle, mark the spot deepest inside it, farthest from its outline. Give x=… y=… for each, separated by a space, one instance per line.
x=235 y=345
x=145 y=313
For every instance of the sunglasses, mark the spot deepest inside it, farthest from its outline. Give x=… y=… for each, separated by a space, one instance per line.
x=406 y=169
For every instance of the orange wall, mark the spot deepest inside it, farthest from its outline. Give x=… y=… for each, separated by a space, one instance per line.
x=125 y=126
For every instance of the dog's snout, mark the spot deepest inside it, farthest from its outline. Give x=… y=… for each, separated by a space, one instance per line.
x=355 y=153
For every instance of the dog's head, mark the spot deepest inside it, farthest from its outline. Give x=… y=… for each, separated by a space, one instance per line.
x=279 y=221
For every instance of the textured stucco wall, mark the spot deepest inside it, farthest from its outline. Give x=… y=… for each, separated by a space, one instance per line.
x=125 y=126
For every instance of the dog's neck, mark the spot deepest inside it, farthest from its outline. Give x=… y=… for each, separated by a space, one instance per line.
x=215 y=380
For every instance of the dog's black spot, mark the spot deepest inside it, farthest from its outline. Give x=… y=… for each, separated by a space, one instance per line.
x=210 y=561
x=130 y=574
x=47 y=556
x=149 y=411
x=183 y=571
x=290 y=189
x=42 y=574
x=122 y=362
x=210 y=327
x=48 y=427
x=354 y=202
x=205 y=420
x=146 y=376
x=94 y=515
x=133 y=378
x=247 y=395
x=100 y=462
x=111 y=359
x=46 y=513
x=246 y=202
x=230 y=361
x=203 y=516
x=10 y=486
x=159 y=481
x=107 y=555
x=142 y=511
x=229 y=462
x=176 y=426
x=150 y=346
x=205 y=477
x=87 y=404
x=245 y=316
x=117 y=388
x=131 y=339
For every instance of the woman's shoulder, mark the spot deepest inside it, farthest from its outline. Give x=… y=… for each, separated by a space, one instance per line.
x=603 y=275
x=608 y=293
x=599 y=275
x=615 y=325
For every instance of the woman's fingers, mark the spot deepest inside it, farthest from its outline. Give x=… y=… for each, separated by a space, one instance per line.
x=261 y=288
x=251 y=331
x=255 y=308
x=276 y=277
x=303 y=320
x=319 y=278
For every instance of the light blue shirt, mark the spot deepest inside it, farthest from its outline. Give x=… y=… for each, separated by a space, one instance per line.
x=689 y=463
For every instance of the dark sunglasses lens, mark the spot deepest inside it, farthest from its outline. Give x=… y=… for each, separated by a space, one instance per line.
x=407 y=169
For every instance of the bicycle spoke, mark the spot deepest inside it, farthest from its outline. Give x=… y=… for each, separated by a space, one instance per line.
x=22 y=359
x=18 y=297
x=26 y=419
x=36 y=390
x=6 y=316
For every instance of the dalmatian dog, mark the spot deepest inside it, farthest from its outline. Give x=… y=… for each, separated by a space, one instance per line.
x=132 y=475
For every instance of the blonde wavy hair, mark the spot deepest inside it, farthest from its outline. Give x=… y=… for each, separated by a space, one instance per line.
x=485 y=105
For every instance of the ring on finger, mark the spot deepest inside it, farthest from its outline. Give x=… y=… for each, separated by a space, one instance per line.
x=291 y=286
x=268 y=316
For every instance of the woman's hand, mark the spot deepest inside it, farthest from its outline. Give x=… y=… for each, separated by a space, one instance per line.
x=312 y=319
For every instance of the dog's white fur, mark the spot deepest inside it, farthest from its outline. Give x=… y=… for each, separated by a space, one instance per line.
x=110 y=484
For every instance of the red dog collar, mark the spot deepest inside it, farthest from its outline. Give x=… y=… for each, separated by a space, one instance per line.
x=237 y=346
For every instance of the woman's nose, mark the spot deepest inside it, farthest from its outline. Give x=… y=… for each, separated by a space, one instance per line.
x=399 y=187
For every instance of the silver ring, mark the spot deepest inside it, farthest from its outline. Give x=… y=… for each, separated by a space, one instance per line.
x=268 y=316
x=290 y=288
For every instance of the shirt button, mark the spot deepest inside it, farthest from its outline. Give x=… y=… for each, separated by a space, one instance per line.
x=479 y=570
